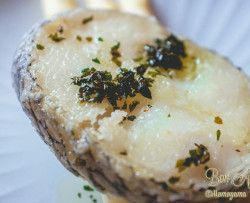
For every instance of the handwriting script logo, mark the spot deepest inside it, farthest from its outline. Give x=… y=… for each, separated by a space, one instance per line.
x=237 y=179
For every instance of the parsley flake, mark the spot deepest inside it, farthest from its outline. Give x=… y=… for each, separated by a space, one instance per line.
x=197 y=156
x=218 y=133
x=131 y=118
x=155 y=73
x=87 y=20
x=40 y=47
x=85 y=70
x=117 y=46
x=100 y=39
x=79 y=38
x=96 y=60
x=140 y=70
x=116 y=54
x=117 y=62
x=55 y=37
x=88 y=188
x=89 y=39
x=138 y=59
x=166 y=53
x=124 y=153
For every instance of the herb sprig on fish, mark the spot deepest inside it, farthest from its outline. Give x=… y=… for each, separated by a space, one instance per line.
x=95 y=86
x=198 y=156
x=166 y=53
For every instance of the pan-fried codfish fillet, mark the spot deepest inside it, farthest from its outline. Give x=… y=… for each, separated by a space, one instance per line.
x=133 y=109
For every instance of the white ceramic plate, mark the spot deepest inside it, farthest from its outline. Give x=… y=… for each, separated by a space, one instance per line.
x=29 y=172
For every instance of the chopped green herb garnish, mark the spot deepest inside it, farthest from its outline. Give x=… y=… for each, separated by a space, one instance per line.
x=79 y=38
x=138 y=59
x=149 y=80
x=100 y=39
x=96 y=60
x=55 y=37
x=85 y=70
x=92 y=198
x=140 y=70
x=155 y=73
x=181 y=164
x=117 y=46
x=132 y=84
x=166 y=53
x=87 y=20
x=123 y=70
x=89 y=39
x=169 y=115
x=218 y=120
x=173 y=179
x=218 y=133
x=109 y=76
x=97 y=85
x=40 y=47
x=131 y=118
x=117 y=61
x=88 y=188
x=116 y=54
x=197 y=156
x=124 y=153
x=133 y=105
x=79 y=195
